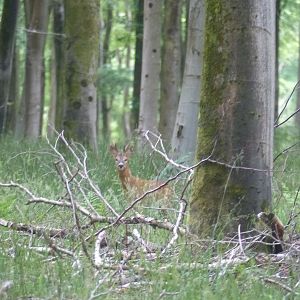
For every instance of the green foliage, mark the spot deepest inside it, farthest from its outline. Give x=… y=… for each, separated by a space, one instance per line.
x=112 y=81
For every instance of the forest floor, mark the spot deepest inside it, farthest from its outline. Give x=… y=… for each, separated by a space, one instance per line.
x=60 y=239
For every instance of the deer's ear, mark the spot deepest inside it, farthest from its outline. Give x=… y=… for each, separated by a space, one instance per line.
x=128 y=149
x=113 y=149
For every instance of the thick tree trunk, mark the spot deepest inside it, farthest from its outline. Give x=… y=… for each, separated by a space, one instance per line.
x=7 y=42
x=82 y=51
x=150 y=85
x=170 y=72
x=236 y=116
x=186 y=124
x=37 y=16
x=139 y=27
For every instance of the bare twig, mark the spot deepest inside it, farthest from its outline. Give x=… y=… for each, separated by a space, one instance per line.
x=285 y=105
x=182 y=208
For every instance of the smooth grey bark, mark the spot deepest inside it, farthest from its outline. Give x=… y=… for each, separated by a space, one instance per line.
x=37 y=16
x=7 y=42
x=82 y=57
x=236 y=116
x=278 y=12
x=150 y=85
x=186 y=124
x=57 y=97
x=170 y=69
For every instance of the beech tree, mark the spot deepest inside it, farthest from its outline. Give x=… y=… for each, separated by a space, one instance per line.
x=82 y=57
x=150 y=85
x=57 y=100
x=7 y=42
x=170 y=68
x=186 y=124
x=36 y=13
x=236 y=116
x=139 y=13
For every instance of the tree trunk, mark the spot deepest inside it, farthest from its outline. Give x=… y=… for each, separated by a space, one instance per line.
x=57 y=97
x=170 y=72
x=59 y=58
x=150 y=87
x=139 y=27
x=7 y=42
x=53 y=94
x=186 y=124
x=13 y=98
x=126 y=114
x=297 y=116
x=236 y=116
x=82 y=56
x=277 y=29
x=105 y=109
x=37 y=16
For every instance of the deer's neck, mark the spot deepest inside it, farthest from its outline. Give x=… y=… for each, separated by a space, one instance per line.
x=125 y=177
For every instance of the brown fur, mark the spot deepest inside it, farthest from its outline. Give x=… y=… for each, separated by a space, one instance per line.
x=277 y=228
x=131 y=183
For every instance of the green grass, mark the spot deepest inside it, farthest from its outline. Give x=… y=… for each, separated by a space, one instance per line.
x=56 y=277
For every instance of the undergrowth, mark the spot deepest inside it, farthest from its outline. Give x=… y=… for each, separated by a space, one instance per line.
x=185 y=273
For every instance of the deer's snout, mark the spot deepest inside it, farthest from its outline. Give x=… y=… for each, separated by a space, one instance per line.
x=121 y=165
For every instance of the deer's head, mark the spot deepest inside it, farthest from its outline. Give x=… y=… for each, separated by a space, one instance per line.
x=121 y=157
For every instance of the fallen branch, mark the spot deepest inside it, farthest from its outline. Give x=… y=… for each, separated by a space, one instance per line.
x=37 y=230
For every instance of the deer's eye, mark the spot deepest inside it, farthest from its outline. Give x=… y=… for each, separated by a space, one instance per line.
x=125 y=159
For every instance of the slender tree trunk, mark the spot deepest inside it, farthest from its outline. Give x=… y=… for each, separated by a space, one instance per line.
x=186 y=124
x=59 y=58
x=278 y=12
x=82 y=56
x=7 y=42
x=13 y=99
x=150 y=85
x=297 y=116
x=170 y=72
x=236 y=116
x=139 y=15
x=53 y=94
x=126 y=113
x=104 y=101
x=37 y=15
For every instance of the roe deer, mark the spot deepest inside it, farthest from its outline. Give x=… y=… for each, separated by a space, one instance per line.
x=133 y=184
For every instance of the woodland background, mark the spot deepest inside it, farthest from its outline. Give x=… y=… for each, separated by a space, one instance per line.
x=78 y=75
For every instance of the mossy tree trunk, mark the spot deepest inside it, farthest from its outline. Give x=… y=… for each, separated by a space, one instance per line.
x=82 y=30
x=236 y=116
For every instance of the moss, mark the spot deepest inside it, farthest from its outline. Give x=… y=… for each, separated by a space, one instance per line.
x=216 y=194
x=82 y=48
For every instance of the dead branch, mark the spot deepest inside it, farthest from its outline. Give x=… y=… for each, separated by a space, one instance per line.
x=37 y=230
